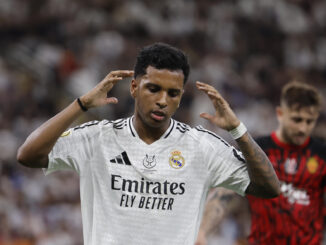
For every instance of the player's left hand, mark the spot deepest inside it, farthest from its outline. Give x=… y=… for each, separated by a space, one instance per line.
x=224 y=116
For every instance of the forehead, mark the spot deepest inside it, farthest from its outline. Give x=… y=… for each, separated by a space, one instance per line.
x=308 y=112
x=164 y=77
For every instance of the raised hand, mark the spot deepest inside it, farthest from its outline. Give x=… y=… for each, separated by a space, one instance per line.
x=224 y=116
x=98 y=95
x=263 y=180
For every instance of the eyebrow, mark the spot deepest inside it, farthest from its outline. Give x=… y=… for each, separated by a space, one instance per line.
x=156 y=85
x=175 y=90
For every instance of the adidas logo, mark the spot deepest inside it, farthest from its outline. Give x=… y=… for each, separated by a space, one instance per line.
x=121 y=159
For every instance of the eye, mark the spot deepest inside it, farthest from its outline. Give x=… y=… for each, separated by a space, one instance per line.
x=297 y=119
x=173 y=92
x=309 y=121
x=153 y=88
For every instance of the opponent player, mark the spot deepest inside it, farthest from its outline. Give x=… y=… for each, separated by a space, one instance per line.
x=295 y=217
x=144 y=179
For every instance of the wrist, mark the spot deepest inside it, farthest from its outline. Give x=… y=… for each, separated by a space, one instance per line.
x=81 y=105
x=239 y=131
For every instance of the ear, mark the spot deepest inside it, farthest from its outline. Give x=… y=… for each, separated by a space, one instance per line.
x=133 y=87
x=279 y=112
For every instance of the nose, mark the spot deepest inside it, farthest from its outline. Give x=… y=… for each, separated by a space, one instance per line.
x=162 y=100
x=303 y=127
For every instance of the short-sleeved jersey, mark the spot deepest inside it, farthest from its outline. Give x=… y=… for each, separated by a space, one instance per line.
x=138 y=193
x=295 y=217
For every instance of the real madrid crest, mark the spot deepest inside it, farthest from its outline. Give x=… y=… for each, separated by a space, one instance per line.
x=176 y=160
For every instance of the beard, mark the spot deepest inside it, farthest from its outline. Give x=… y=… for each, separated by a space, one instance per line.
x=294 y=138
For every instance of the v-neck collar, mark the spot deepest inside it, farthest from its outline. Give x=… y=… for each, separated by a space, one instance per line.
x=135 y=134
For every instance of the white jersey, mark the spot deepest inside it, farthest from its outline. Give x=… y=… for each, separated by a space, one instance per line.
x=135 y=193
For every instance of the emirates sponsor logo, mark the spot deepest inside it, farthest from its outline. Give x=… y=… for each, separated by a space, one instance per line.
x=146 y=194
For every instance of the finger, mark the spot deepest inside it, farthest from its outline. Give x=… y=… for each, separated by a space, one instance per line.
x=110 y=81
x=112 y=100
x=217 y=100
x=114 y=80
x=210 y=91
x=206 y=87
x=200 y=83
x=213 y=94
x=207 y=116
x=115 y=76
x=121 y=73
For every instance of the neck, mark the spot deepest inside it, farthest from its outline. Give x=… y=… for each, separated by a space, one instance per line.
x=280 y=136
x=147 y=133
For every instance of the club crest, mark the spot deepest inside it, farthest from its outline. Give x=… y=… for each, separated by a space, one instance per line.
x=291 y=166
x=149 y=161
x=176 y=160
x=312 y=165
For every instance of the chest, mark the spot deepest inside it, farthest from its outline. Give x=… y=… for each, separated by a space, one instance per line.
x=155 y=177
x=159 y=162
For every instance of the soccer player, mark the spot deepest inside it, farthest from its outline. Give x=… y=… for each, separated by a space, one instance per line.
x=144 y=179
x=295 y=217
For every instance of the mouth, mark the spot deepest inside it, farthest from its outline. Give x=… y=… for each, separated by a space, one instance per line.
x=301 y=135
x=158 y=115
x=300 y=138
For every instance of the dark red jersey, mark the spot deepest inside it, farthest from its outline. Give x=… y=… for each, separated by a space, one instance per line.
x=296 y=216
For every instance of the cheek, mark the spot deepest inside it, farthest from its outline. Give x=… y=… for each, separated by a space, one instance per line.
x=174 y=103
x=142 y=103
x=146 y=99
x=311 y=127
x=291 y=124
x=289 y=127
x=294 y=127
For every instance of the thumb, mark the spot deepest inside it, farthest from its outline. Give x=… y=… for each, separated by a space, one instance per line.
x=111 y=100
x=207 y=116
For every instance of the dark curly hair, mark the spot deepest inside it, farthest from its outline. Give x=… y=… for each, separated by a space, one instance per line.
x=161 y=56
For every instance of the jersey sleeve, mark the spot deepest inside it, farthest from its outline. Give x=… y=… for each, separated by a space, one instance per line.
x=226 y=165
x=73 y=149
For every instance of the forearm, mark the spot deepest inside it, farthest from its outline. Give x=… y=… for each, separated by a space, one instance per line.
x=264 y=182
x=213 y=214
x=34 y=151
x=215 y=209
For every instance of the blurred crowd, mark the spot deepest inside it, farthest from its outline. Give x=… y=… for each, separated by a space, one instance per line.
x=53 y=51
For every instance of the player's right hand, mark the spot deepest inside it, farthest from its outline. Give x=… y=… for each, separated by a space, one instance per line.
x=98 y=95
